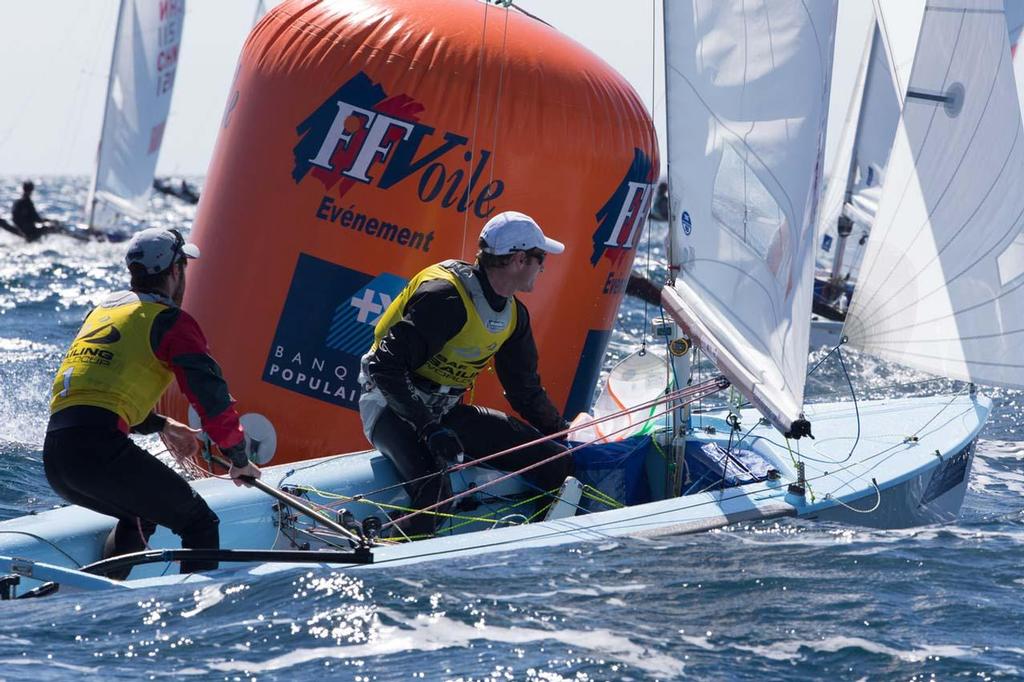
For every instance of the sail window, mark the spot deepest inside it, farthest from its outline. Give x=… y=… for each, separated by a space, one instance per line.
x=1011 y=261
x=745 y=207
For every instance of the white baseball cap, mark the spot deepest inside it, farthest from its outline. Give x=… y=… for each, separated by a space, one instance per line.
x=156 y=249
x=514 y=231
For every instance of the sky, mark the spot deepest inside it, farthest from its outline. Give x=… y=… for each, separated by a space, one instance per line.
x=56 y=53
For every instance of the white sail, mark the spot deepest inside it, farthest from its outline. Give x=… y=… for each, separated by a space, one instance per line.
x=747 y=95
x=942 y=283
x=899 y=22
x=1015 y=25
x=145 y=58
x=855 y=185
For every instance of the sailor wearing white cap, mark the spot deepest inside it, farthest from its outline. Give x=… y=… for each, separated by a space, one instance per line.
x=430 y=345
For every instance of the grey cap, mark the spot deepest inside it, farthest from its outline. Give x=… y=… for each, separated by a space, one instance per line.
x=156 y=249
x=514 y=231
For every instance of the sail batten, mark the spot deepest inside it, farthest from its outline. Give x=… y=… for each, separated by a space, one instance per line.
x=941 y=288
x=747 y=97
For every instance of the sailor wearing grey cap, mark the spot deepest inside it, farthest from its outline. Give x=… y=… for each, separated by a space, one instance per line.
x=155 y=249
x=430 y=345
x=128 y=350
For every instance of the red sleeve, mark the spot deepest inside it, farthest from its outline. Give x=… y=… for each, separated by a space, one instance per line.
x=179 y=343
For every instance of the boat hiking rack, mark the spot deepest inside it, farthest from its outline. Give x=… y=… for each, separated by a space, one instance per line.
x=86 y=577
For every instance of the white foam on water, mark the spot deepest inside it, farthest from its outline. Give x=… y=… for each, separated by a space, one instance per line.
x=207 y=596
x=993 y=449
x=865 y=541
x=986 y=474
x=787 y=650
x=50 y=663
x=24 y=408
x=595 y=590
x=699 y=641
x=488 y=565
x=417 y=584
x=13 y=349
x=437 y=632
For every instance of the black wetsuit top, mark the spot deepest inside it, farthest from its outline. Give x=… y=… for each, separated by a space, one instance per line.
x=25 y=217
x=435 y=314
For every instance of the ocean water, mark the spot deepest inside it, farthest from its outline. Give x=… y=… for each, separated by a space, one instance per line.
x=787 y=600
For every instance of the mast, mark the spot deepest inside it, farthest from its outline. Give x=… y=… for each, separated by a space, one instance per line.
x=259 y=12
x=90 y=203
x=673 y=266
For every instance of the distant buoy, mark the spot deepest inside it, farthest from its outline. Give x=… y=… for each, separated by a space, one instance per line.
x=365 y=140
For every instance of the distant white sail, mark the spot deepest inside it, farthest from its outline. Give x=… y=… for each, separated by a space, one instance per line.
x=145 y=58
x=942 y=283
x=747 y=97
x=855 y=185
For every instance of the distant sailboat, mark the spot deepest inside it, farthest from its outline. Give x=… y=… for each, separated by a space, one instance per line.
x=852 y=197
x=941 y=287
x=179 y=187
x=142 y=72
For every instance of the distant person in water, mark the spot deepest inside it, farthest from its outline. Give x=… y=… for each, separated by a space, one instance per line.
x=188 y=193
x=31 y=226
x=129 y=349
x=184 y=191
x=28 y=224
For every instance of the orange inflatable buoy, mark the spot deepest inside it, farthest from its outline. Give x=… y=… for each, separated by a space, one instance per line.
x=367 y=139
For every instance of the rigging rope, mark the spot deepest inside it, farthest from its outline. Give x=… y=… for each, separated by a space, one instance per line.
x=509 y=3
x=716 y=385
x=878 y=500
x=471 y=158
x=44 y=541
x=697 y=389
x=476 y=117
x=827 y=356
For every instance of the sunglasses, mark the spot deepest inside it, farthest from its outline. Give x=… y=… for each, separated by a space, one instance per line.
x=537 y=255
x=179 y=242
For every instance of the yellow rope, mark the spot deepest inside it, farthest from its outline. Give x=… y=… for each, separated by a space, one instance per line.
x=657 y=448
x=466 y=519
x=502 y=510
x=807 y=483
x=600 y=496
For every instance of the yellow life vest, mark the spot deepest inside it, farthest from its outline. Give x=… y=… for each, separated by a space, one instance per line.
x=111 y=364
x=465 y=354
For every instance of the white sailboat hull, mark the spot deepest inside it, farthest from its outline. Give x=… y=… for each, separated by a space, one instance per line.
x=825 y=333
x=917 y=452
x=904 y=505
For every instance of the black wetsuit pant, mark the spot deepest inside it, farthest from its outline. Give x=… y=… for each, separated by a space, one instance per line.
x=102 y=469
x=483 y=432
